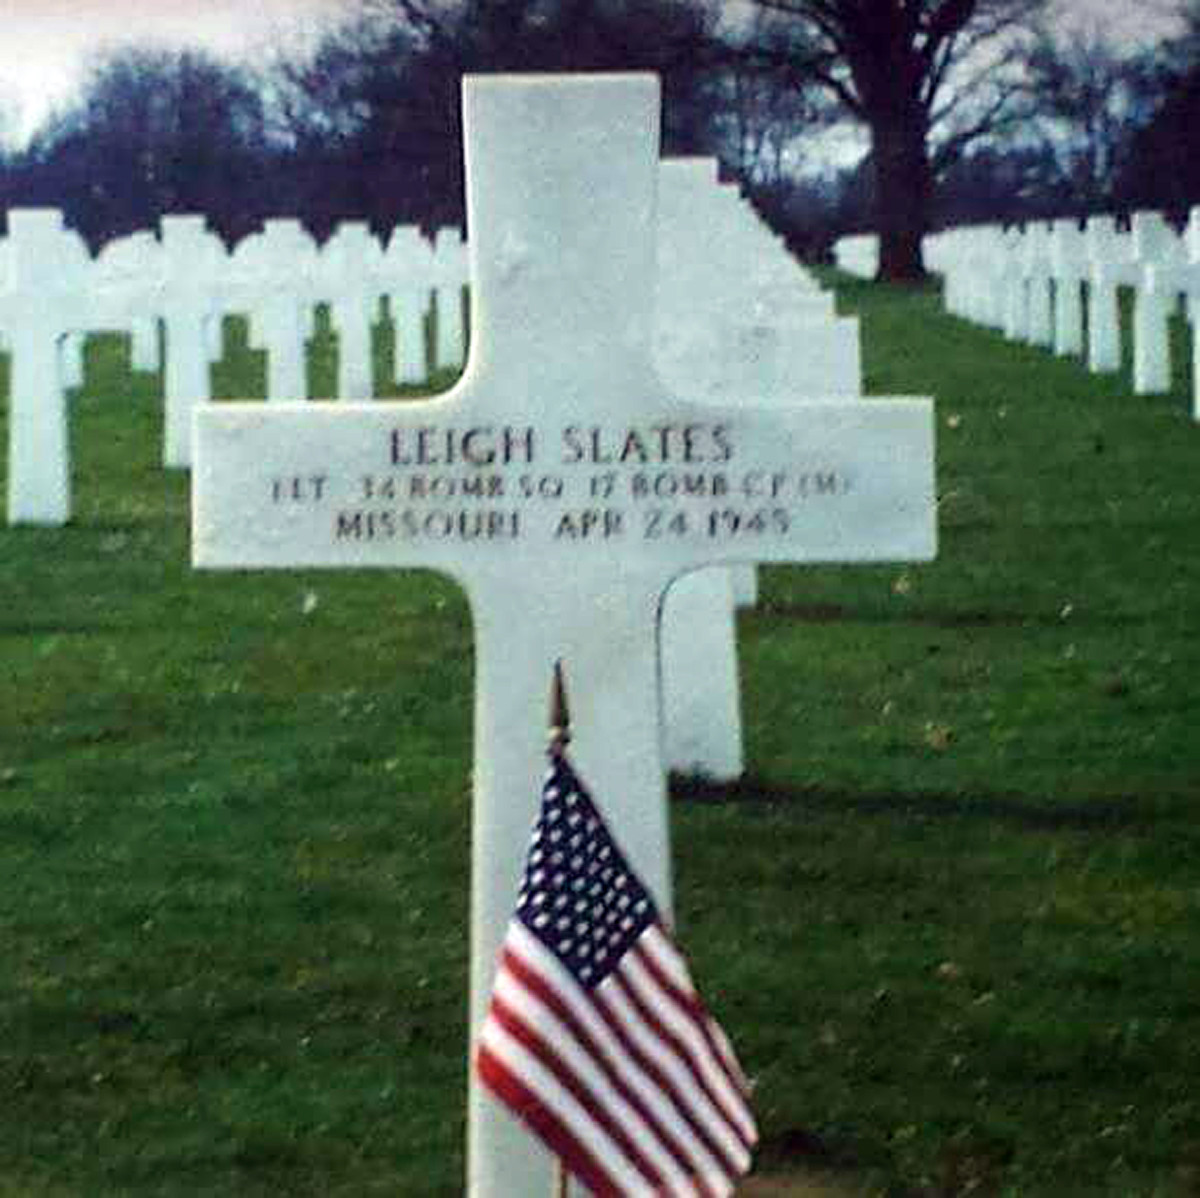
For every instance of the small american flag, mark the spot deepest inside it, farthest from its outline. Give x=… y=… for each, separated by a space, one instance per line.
x=595 y=1036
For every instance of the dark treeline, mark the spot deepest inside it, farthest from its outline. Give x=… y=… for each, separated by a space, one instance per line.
x=368 y=127
x=993 y=118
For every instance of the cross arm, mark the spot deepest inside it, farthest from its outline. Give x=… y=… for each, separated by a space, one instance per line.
x=439 y=485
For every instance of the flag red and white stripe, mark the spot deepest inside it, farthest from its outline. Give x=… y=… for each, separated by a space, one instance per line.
x=595 y=1035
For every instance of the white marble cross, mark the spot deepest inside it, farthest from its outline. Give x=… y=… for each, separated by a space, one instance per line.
x=716 y=338
x=563 y=486
x=271 y=280
x=47 y=266
x=349 y=265
x=408 y=264
x=449 y=273
x=195 y=265
x=1068 y=259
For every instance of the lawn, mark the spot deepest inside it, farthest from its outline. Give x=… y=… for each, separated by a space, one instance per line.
x=950 y=917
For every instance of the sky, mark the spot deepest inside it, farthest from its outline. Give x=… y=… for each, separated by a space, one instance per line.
x=45 y=45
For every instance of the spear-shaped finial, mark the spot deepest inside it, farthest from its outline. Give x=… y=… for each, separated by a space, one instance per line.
x=560 y=716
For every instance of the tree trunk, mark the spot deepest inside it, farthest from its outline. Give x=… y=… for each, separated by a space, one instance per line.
x=903 y=190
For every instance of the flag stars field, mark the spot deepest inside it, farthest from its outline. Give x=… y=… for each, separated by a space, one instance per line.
x=584 y=930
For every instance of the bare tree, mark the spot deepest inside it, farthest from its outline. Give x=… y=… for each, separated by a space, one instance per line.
x=761 y=115
x=1088 y=98
x=926 y=77
x=378 y=106
x=1161 y=167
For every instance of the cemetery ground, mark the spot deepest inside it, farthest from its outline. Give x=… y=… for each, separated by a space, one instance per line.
x=949 y=917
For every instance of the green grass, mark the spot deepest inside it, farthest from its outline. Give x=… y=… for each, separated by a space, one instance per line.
x=955 y=940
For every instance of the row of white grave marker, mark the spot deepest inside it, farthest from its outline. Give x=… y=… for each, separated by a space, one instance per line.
x=736 y=319
x=1057 y=284
x=564 y=414
x=53 y=293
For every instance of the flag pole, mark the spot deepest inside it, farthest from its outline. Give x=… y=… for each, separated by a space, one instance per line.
x=559 y=729
x=558 y=737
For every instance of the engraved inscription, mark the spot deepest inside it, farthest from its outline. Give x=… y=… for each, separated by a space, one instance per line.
x=654 y=444
x=410 y=524
x=484 y=445
x=572 y=485
x=299 y=488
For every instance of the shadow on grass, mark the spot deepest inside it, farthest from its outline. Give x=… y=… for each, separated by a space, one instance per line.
x=1103 y=812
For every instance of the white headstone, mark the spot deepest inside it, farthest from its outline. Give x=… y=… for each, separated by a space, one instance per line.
x=127 y=276
x=449 y=278
x=724 y=351
x=1038 y=269
x=47 y=267
x=1155 y=244
x=70 y=360
x=1068 y=256
x=1016 y=309
x=408 y=264
x=858 y=255
x=1107 y=249
x=542 y=455
x=194 y=265
x=985 y=298
x=348 y=271
x=144 y=349
x=271 y=280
